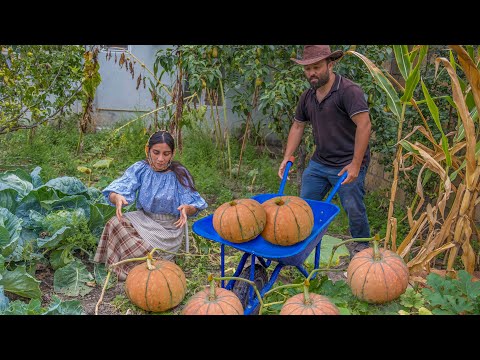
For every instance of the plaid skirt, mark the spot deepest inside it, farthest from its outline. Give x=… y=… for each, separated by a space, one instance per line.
x=136 y=235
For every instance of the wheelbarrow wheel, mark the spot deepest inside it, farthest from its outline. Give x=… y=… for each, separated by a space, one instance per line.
x=241 y=288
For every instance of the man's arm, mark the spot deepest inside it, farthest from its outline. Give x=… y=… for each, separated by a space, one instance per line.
x=294 y=139
x=362 y=137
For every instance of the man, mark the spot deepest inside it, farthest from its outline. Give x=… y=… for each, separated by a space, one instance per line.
x=338 y=112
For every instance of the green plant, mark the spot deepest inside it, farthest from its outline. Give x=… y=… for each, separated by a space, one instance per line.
x=449 y=296
x=37 y=84
x=414 y=302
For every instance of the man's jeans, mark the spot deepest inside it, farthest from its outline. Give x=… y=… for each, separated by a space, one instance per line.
x=318 y=179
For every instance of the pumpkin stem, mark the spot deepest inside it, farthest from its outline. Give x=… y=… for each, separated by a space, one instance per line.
x=306 y=294
x=233 y=203
x=247 y=281
x=212 y=295
x=103 y=291
x=335 y=247
x=376 y=251
x=279 y=202
x=149 y=263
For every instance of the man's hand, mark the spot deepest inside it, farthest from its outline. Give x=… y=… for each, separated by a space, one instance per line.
x=281 y=170
x=119 y=201
x=353 y=171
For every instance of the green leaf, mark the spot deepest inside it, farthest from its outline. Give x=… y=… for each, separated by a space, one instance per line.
x=69 y=307
x=436 y=118
x=414 y=76
x=100 y=273
x=18 y=307
x=326 y=249
x=67 y=185
x=403 y=62
x=61 y=257
x=8 y=199
x=36 y=179
x=3 y=300
x=52 y=241
x=407 y=146
x=20 y=282
x=10 y=229
x=68 y=203
x=12 y=181
x=105 y=163
x=392 y=98
x=71 y=279
x=32 y=202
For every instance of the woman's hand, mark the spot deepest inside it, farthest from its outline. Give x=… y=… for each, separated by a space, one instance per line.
x=119 y=201
x=184 y=210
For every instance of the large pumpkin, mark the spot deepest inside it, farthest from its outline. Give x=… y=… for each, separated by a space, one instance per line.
x=377 y=275
x=289 y=220
x=317 y=305
x=220 y=302
x=239 y=220
x=156 y=290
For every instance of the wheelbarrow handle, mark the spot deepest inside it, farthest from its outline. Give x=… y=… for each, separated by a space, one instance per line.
x=285 y=174
x=336 y=187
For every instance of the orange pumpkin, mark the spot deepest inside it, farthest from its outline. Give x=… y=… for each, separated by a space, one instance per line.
x=317 y=305
x=239 y=220
x=218 y=302
x=377 y=275
x=289 y=220
x=156 y=290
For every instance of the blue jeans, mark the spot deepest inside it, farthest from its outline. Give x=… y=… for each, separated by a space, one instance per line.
x=318 y=179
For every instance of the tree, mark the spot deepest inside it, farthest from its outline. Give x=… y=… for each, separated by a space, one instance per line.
x=37 y=83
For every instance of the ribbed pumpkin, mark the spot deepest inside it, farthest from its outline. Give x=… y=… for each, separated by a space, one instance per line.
x=377 y=275
x=289 y=220
x=217 y=302
x=317 y=305
x=239 y=220
x=156 y=290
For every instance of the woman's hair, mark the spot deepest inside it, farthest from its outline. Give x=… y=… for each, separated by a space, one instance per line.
x=181 y=172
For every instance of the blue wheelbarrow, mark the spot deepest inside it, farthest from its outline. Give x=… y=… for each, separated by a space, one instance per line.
x=266 y=253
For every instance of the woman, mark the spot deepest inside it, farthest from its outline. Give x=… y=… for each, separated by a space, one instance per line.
x=165 y=195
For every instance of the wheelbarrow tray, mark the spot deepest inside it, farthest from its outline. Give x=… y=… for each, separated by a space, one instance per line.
x=323 y=214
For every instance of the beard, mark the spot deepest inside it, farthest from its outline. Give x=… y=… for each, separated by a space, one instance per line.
x=316 y=83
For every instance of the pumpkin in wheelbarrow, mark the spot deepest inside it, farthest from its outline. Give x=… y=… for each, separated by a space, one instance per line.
x=156 y=285
x=289 y=220
x=239 y=221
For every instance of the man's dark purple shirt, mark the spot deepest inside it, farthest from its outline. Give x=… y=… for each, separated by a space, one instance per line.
x=333 y=128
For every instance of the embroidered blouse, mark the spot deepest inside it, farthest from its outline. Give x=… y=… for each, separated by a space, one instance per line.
x=154 y=192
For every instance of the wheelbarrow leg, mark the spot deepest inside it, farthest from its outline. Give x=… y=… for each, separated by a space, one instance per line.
x=254 y=303
x=240 y=266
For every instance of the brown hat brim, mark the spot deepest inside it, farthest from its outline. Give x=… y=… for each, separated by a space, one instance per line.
x=337 y=54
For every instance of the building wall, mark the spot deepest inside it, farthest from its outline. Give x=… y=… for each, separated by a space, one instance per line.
x=117 y=97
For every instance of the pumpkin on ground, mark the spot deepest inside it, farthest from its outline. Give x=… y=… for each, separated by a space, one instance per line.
x=289 y=220
x=315 y=305
x=239 y=221
x=157 y=289
x=377 y=275
x=213 y=301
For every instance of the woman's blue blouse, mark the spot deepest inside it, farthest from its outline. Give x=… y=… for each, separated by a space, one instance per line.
x=155 y=192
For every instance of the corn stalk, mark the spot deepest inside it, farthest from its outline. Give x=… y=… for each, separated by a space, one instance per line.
x=436 y=228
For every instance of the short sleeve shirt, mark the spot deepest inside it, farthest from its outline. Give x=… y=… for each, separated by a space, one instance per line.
x=331 y=120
